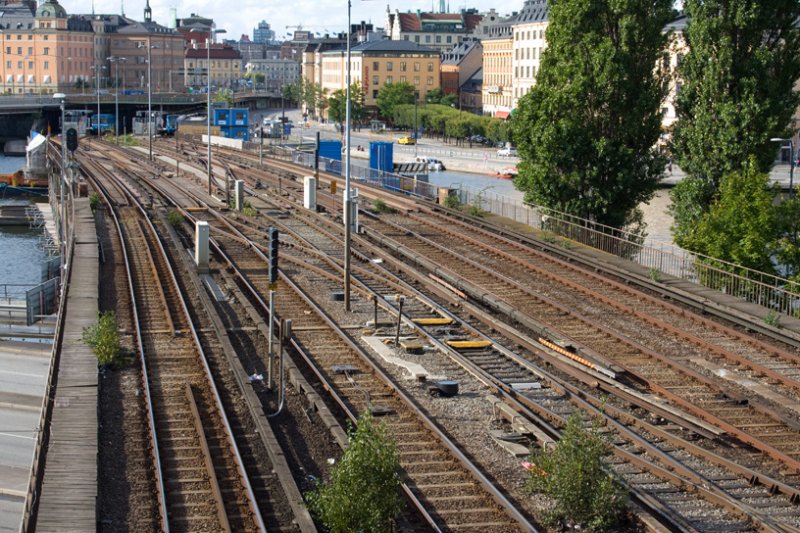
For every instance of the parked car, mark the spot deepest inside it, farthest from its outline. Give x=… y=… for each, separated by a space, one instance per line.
x=507 y=152
x=407 y=140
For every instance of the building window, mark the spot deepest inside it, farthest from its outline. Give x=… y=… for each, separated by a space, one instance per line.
x=430 y=67
x=46 y=51
x=430 y=80
x=438 y=38
x=19 y=50
x=30 y=65
x=416 y=67
x=427 y=38
x=389 y=66
x=8 y=50
x=375 y=66
x=416 y=80
x=416 y=39
x=449 y=39
x=46 y=65
x=45 y=37
x=402 y=79
x=8 y=64
x=375 y=80
x=375 y=94
x=19 y=64
x=402 y=66
x=30 y=50
x=405 y=37
x=389 y=79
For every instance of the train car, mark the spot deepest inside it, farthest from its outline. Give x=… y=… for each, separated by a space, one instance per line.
x=170 y=125
x=195 y=125
x=140 y=123
x=77 y=119
x=106 y=124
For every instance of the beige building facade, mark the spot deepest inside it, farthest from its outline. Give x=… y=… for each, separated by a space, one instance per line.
x=376 y=63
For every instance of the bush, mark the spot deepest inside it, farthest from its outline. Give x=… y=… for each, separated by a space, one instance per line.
x=94 y=201
x=363 y=493
x=103 y=338
x=174 y=218
x=379 y=206
x=451 y=201
x=572 y=473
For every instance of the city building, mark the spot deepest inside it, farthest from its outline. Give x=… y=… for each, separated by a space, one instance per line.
x=498 y=56
x=263 y=34
x=460 y=63
x=277 y=72
x=435 y=30
x=373 y=64
x=528 y=43
x=43 y=49
x=224 y=70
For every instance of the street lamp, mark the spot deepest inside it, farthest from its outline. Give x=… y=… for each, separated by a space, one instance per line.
x=791 y=160
x=97 y=69
x=63 y=97
x=116 y=60
x=149 y=98
x=347 y=199
x=211 y=34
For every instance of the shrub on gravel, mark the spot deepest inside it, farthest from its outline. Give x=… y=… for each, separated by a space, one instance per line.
x=572 y=473
x=103 y=338
x=363 y=493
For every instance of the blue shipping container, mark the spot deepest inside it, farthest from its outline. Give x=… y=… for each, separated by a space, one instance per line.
x=240 y=117
x=330 y=150
x=235 y=132
x=222 y=117
x=381 y=156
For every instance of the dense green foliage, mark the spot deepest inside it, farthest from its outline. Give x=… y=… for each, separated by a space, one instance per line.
x=392 y=95
x=94 y=201
x=572 y=473
x=311 y=95
x=337 y=105
x=437 y=119
x=103 y=338
x=737 y=77
x=438 y=96
x=586 y=132
x=174 y=218
x=741 y=224
x=363 y=493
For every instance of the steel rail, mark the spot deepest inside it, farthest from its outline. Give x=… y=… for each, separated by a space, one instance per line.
x=160 y=484
x=207 y=370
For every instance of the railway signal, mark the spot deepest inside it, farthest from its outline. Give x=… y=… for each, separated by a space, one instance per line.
x=272 y=257
x=72 y=139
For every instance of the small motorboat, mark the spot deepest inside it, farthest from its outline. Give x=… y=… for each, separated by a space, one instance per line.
x=507 y=173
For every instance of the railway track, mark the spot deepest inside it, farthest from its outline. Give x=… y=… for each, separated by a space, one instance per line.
x=196 y=459
x=737 y=486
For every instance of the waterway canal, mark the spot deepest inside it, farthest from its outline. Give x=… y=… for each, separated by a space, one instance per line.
x=21 y=252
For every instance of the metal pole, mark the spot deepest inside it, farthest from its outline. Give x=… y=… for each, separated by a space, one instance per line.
x=97 y=83
x=63 y=190
x=270 y=353
x=347 y=203
x=208 y=93
x=416 y=101
x=149 y=102
x=116 y=102
x=791 y=167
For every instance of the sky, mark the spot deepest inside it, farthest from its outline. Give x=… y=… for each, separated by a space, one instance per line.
x=242 y=16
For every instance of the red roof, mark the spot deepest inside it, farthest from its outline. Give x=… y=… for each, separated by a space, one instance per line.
x=502 y=114
x=216 y=53
x=409 y=22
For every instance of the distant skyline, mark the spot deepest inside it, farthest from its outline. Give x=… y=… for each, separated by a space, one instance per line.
x=242 y=17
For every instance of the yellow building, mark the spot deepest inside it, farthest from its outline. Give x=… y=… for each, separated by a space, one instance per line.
x=373 y=64
x=43 y=51
x=225 y=68
x=528 y=45
x=498 y=72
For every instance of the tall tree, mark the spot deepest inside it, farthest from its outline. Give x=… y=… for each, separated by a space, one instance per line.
x=586 y=132
x=737 y=92
x=337 y=104
x=392 y=95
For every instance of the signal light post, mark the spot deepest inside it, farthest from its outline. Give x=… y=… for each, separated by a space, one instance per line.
x=272 y=275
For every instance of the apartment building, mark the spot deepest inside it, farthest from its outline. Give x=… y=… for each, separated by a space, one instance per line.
x=43 y=50
x=498 y=55
x=528 y=43
x=277 y=72
x=373 y=64
x=435 y=30
x=223 y=69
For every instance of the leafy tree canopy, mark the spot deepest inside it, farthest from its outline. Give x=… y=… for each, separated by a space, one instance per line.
x=586 y=132
x=738 y=75
x=742 y=224
x=337 y=104
x=392 y=95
